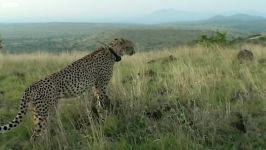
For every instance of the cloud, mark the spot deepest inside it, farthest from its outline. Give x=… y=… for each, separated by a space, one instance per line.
x=10 y=5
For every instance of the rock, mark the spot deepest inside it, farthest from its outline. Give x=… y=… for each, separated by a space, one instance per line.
x=245 y=55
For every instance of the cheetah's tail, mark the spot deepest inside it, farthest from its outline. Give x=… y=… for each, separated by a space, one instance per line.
x=20 y=115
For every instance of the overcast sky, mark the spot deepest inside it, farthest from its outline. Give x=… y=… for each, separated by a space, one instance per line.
x=10 y=10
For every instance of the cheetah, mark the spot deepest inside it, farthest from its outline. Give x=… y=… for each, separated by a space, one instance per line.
x=93 y=70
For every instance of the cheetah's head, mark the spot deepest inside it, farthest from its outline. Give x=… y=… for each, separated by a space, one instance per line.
x=123 y=47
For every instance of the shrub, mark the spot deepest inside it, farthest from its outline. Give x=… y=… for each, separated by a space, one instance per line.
x=218 y=38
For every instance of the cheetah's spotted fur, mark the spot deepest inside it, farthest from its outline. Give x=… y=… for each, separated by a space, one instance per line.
x=93 y=70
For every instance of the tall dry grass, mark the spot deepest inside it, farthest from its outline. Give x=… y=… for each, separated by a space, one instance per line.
x=198 y=98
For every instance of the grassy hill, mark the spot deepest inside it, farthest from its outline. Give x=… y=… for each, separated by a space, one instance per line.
x=237 y=25
x=58 y=37
x=257 y=39
x=182 y=98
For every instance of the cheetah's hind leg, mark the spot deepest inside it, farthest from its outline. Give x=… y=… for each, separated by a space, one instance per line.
x=40 y=122
x=96 y=112
x=100 y=93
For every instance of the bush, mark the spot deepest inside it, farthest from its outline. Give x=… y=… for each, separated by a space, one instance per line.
x=218 y=38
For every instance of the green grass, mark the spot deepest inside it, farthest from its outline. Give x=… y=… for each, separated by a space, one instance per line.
x=199 y=98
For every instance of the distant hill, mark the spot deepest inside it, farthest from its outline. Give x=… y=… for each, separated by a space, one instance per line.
x=85 y=36
x=241 y=24
x=236 y=17
x=255 y=39
x=172 y=15
x=57 y=37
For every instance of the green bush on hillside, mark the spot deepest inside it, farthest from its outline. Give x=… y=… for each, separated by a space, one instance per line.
x=218 y=38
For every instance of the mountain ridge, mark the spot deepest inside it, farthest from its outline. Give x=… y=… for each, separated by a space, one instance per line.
x=237 y=17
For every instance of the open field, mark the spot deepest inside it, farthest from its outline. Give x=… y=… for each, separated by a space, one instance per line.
x=184 y=98
x=56 y=37
x=62 y=37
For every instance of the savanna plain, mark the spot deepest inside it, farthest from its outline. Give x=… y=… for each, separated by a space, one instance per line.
x=189 y=97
